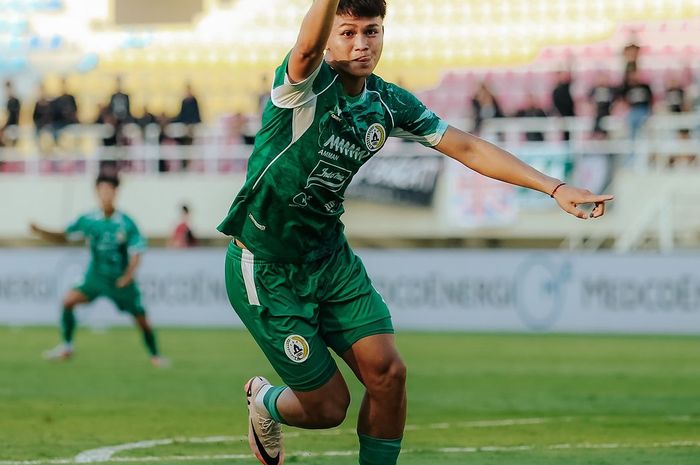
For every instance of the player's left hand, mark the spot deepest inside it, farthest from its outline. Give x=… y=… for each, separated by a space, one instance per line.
x=569 y=198
x=124 y=281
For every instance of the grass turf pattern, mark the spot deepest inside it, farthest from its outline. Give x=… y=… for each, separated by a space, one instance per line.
x=473 y=398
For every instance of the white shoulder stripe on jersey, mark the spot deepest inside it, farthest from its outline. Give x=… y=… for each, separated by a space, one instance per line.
x=302 y=119
x=292 y=95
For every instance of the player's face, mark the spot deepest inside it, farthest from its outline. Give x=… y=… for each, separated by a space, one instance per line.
x=106 y=194
x=356 y=44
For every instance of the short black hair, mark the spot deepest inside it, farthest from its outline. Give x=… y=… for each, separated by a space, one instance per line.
x=185 y=209
x=109 y=179
x=362 y=8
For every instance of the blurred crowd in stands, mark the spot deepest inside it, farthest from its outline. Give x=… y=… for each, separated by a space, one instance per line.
x=123 y=126
x=54 y=115
x=633 y=92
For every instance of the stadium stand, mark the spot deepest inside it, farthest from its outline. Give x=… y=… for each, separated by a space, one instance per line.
x=231 y=47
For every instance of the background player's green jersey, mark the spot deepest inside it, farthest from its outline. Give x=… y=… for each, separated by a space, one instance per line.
x=313 y=140
x=111 y=239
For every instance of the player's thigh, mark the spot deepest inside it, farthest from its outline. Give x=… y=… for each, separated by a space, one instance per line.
x=352 y=308
x=75 y=297
x=127 y=299
x=88 y=290
x=286 y=330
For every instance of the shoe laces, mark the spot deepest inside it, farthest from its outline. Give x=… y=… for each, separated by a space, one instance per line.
x=270 y=430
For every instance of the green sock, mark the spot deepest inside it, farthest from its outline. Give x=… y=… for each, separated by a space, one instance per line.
x=375 y=451
x=68 y=325
x=270 y=402
x=149 y=339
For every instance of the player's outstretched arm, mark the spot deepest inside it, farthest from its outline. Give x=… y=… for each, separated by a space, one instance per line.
x=51 y=236
x=312 y=40
x=494 y=162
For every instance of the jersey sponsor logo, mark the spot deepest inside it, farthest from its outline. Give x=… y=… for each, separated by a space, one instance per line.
x=375 y=137
x=343 y=147
x=296 y=348
x=330 y=176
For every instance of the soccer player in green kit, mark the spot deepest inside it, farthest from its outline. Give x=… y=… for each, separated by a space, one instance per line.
x=116 y=247
x=290 y=274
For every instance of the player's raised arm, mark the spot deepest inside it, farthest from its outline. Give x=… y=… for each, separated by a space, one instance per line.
x=51 y=236
x=489 y=160
x=312 y=40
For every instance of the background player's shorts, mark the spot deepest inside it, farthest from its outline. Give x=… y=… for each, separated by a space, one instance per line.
x=296 y=311
x=127 y=299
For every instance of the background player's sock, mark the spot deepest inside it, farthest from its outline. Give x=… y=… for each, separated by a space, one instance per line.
x=149 y=339
x=68 y=327
x=267 y=397
x=375 y=451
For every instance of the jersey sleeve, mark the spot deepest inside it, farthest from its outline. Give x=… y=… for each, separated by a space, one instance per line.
x=286 y=94
x=414 y=121
x=135 y=242
x=77 y=230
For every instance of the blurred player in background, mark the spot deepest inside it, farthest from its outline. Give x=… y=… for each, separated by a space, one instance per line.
x=116 y=247
x=290 y=274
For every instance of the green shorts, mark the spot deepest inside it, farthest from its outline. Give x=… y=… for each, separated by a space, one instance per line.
x=127 y=299
x=295 y=312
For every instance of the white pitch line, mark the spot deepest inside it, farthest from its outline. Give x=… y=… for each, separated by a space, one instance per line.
x=106 y=454
x=343 y=453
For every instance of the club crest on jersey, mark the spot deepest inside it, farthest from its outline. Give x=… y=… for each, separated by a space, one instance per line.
x=375 y=138
x=296 y=348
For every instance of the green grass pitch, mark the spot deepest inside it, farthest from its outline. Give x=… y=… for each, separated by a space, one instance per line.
x=473 y=399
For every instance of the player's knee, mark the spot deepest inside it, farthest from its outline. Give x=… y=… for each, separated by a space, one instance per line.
x=388 y=377
x=69 y=304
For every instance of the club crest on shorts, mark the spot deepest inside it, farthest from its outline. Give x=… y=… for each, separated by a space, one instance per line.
x=375 y=138
x=296 y=348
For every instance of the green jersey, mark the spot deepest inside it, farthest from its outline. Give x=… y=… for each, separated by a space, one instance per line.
x=112 y=241
x=314 y=139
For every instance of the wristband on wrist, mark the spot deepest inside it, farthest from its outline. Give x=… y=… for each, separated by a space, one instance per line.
x=556 y=189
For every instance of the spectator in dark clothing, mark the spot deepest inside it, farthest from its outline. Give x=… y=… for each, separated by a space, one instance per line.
x=602 y=96
x=484 y=107
x=64 y=111
x=42 y=111
x=675 y=97
x=561 y=98
x=119 y=104
x=638 y=95
x=189 y=116
x=109 y=123
x=13 y=107
x=532 y=109
x=561 y=95
x=189 y=109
